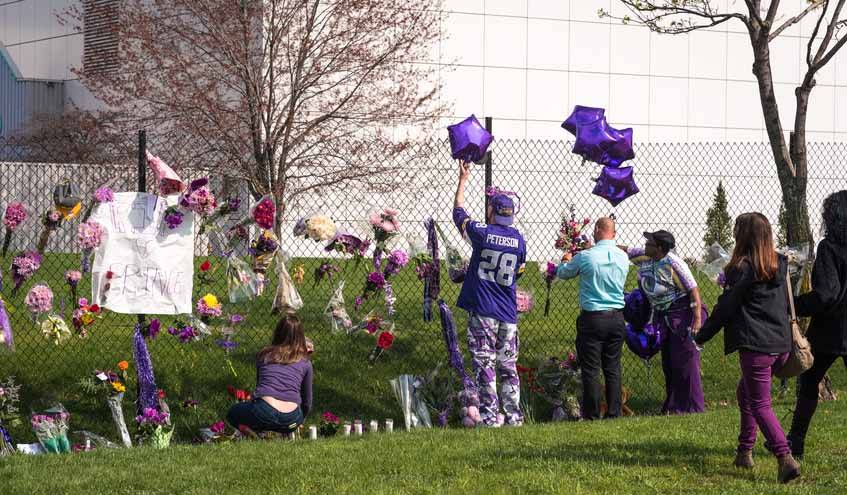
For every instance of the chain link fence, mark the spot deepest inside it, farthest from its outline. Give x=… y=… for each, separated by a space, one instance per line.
x=677 y=183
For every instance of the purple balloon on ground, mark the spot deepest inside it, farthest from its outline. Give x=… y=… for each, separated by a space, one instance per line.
x=615 y=185
x=469 y=140
x=645 y=343
x=581 y=116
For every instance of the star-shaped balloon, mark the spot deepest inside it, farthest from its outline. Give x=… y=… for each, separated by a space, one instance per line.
x=601 y=143
x=621 y=150
x=615 y=184
x=636 y=309
x=581 y=116
x=645 y=343
x=469 y=140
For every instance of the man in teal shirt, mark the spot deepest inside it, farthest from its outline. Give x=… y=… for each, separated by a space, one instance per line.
x=600 y=327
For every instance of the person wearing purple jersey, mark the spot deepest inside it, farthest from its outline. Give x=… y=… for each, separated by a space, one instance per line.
x=489 y=296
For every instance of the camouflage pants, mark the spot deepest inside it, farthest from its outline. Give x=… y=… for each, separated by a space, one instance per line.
x=495 y=343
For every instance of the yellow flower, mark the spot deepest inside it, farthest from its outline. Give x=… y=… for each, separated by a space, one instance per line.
x=119 y=387
x=298 y=275
x=87 y=319
x=211 y=301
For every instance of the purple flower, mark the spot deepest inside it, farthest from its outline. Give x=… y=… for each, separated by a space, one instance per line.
x=226 y=345
x=152 y=330
x=398 y=257
x=377 y=279
x=104 y=195
x=173 y=217
x=232 y=204
x=235 y=319
x=15 y=215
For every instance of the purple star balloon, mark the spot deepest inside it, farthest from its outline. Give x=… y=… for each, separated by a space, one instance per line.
x=615 y=185
x=621 y=150
x=601 y=143
x=469 y=140
x=581 y=116
x=645 y=343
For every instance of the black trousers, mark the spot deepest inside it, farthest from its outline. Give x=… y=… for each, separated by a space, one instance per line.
x=599 y=339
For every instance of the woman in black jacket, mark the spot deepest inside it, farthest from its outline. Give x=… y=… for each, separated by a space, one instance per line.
x=827 y=305
x=753 y=311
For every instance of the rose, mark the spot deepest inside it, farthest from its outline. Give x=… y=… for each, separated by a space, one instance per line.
x=205 y=266
x=385 y=340
x=123 y=365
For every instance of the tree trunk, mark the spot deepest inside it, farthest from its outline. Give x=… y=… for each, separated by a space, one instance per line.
x=793 y=184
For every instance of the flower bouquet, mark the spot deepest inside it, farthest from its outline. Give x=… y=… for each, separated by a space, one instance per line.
x=457 y=265
x=384 y=225
x=9 y=400
x=39 y=300
x=84 y=316
x=208 y=307
x=558 y=382
x=184 y=332
x=50 y=221
x=286 y=298
x=336 y=312
x=205 y=272
x=198 y=199
x=371 y=323
x=173 y=217
x=216 y=432
x=101 y=195
x=549 y=277
x=112 y=387
x=13 y=218
x=571 y=238
x=375 y=282
x=319 y=228
x=798 y=257
x=89 y=236
x=329 y=425
x=415 y=412
x=325 y=270
x=242 y=283
x=167 y=180
x=227 y=207
x=347 y=243
x=524 y=299
x=72 y=277
x=6 y=337
x=54 y=328
x=263 y=215
x=383 y=342
x=51 y=430
x=263 y=249
x=23 y=267
x=152 y=428
x=438 y=391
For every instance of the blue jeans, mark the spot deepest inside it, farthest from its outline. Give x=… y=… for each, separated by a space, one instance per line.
x=258 y=415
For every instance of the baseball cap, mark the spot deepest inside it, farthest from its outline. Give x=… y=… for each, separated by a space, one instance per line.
x=504 y=209
x=662 y=238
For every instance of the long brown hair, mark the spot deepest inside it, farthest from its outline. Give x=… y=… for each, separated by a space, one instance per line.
x=288 y=344
x=754 y=243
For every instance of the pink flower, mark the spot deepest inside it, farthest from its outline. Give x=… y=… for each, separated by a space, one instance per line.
x=15 y=215
x=387 y=226
x=39 y=299
x=218 y=427
x=375 y=219
x=73 y=276
x=90 y=234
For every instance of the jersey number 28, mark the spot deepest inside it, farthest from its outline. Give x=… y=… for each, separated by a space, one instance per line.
x=497 y=267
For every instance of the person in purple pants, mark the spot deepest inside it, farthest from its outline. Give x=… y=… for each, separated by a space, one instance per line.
x=672 y=291
x=489 y=296
x=753 y=311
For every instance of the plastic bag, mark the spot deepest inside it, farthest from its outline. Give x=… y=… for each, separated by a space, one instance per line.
x=457 y=265
x=336 y=313
x=713 y=263
x=51 y=429
x=525 y=300
x=286 y=299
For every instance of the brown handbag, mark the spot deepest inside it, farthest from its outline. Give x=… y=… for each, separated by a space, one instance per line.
x=801 y=357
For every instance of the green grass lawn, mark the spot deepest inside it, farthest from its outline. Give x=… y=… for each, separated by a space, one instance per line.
x=690 y=454
x=344 y=382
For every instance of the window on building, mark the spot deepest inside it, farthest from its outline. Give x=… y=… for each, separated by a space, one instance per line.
x=101 y=43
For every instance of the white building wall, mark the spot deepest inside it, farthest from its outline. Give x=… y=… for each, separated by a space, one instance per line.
x=528 y=62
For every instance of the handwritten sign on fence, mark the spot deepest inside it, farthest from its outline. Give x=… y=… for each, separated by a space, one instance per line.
x=151 y=265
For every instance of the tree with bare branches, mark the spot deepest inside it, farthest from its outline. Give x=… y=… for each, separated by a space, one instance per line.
x=287 y=91
x=764 y=21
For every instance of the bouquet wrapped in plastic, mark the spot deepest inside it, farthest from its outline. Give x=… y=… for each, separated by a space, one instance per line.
x=286 y=299
x=51 y=430
x=385 y=226
x=23 y=267
x=101 y=195
x=571 y=237
x=263 y=249
x=525 y=300
x=111 y=386
x=457 y=265
x=227 y=207
x=153 y=428
x=167 y=181
x=438 y=391
x=198 y=198
x=558 y=382
x=415 y=412
x=9 y=400
x=319 y=228
x=242 y=282
x=55 y=329
x=263 y=214
x=336 y=312
x=90 y=236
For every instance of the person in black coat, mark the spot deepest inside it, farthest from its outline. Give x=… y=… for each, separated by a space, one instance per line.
x=827 y=305
x=753 y=311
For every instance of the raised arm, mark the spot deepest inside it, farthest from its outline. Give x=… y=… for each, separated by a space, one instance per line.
x=464 y=173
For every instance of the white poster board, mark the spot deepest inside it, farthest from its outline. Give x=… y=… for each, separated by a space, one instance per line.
x=152 y=266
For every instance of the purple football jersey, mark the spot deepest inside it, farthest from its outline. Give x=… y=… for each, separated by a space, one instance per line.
x=498 y=258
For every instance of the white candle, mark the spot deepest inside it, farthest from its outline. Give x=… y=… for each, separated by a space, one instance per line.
x=389 y=426
x=357 y=427
x=313 y=432
x=346 y=429
x=374 y=426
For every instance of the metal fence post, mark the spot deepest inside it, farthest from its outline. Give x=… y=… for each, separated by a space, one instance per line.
x=489 y=124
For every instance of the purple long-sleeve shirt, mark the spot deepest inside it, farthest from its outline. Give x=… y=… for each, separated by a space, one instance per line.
x=286 y=382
